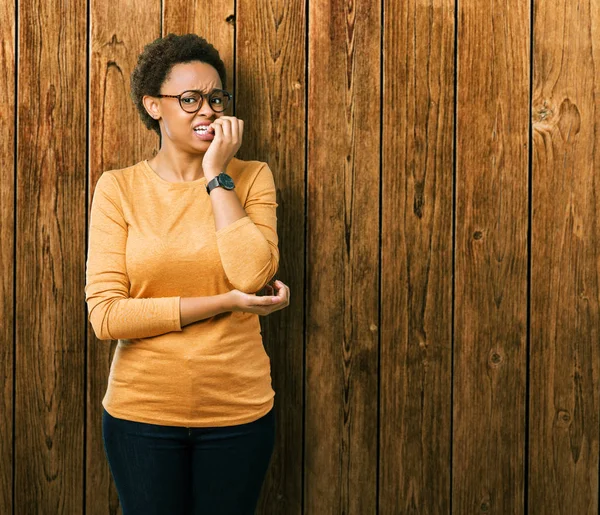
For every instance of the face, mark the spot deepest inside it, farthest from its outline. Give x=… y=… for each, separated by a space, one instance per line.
x=176 y=124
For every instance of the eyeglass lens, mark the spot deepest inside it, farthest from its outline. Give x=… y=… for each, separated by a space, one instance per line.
x=192 y=101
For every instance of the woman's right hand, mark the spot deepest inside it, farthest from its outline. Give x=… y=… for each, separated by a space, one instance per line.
x=261 y=305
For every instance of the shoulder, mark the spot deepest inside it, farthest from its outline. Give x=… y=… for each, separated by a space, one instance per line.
x=246 y=173
x=119 y=179
x=123 y=175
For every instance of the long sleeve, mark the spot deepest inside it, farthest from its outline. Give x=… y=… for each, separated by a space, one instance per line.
x=248 y=246
x=112 y=313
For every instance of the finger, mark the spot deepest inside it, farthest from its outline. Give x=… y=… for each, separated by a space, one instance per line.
x=265 y=300
x=226 y=124
x=283 y=289
x=218 y=124
x=287 y=293
x=233 y=121
x=218 y=130
x=238 y=129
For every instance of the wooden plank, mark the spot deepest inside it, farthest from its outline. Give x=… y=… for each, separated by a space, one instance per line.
x=50 y=249
x=491 y=258
x=214 y=21
x=7 y=207
x=563 y=462
x=342 y=297
x=270 y=91
x=259 y=76
x=416 y=259
x=117 y=138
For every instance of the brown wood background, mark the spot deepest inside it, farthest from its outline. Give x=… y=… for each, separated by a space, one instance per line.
x=438 y=179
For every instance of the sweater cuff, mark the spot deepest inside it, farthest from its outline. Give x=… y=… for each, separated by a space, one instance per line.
x=175 y=312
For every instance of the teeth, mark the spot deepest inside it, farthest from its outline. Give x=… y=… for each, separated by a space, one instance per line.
x=202 y=128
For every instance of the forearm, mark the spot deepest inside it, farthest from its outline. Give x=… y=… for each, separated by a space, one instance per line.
x=247 y=235
x=193 y=309
x=116 y=317
x=226 y=205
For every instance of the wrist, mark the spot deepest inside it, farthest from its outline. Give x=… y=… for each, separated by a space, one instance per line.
x=229 y=301
x=211 y=173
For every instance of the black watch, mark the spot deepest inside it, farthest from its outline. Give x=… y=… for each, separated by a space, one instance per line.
x=222 y=180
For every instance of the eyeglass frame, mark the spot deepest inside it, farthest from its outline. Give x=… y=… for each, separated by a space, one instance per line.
x=202 y=96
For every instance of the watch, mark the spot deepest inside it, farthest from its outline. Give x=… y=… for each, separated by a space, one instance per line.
x=223 y=180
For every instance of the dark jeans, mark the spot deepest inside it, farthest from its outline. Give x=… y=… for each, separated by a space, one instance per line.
x=168 y=470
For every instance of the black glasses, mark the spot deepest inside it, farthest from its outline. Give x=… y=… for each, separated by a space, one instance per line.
x=191 y=100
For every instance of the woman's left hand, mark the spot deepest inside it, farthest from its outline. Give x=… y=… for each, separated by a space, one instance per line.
x=227 y=141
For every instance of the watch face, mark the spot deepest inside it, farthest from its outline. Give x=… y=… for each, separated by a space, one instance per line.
x=226 y=181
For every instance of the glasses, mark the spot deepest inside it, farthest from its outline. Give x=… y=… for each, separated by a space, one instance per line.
x=191 y=101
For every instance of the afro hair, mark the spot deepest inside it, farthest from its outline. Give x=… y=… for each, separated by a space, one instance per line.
x=157 y=59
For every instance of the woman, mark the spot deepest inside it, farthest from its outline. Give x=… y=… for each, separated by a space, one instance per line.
x=179 y=245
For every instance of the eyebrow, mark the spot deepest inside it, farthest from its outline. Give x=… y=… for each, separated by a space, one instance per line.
x=203 y=90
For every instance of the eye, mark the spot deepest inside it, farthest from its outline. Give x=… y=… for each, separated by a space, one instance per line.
x=218 y=98
x=189 y=99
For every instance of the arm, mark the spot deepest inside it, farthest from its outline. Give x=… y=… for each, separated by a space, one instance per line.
x=193 y=309
x=247 y=236
x=112 y=313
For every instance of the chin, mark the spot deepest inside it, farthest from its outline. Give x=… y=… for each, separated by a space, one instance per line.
x=199 y=148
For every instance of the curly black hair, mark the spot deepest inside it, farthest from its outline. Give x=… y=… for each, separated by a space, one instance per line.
x=157 y=59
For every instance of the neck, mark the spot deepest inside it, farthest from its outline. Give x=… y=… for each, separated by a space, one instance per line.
x=177 y=166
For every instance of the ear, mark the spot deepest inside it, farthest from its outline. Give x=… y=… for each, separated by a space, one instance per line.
x=152 y=106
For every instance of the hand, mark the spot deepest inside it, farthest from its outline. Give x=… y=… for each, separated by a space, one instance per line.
x=263 y=305
x=227 y=141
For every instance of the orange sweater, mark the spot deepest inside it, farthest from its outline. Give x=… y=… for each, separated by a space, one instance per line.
x=151 y=242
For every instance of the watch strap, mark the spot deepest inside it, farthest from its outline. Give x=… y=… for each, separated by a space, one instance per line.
x=212 y=184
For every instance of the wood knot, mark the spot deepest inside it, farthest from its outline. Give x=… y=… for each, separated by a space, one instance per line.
x=495 y=358
x=563 y=418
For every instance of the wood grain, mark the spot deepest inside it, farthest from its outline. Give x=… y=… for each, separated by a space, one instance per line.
x=565 y=256
x=490 y=313
x=214 y=21
x=270 y=91
x=50 y=250
x=7 y=219
x=117 y=138
x=416 y=259
x=342 y=316
x=413 y=397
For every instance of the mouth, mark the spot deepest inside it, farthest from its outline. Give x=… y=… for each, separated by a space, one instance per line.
x=204 y=133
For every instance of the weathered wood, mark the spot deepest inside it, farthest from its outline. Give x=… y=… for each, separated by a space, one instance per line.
x=416 y=259
x=118 y=138
x=270 y=91
x=565 y=259
x=50 y=255
x=214 y=21
x=362 y=429
x=342 y=297
x=7 y=249
x=488 y=451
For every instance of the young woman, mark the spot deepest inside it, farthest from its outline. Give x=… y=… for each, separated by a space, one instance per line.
x=179 y=246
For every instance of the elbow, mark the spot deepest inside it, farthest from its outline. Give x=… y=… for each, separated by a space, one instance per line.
x=252 y=280
x=99 y=327
x=99 y=317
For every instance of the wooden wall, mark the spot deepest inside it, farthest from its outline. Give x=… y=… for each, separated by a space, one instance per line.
x=438 y=178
